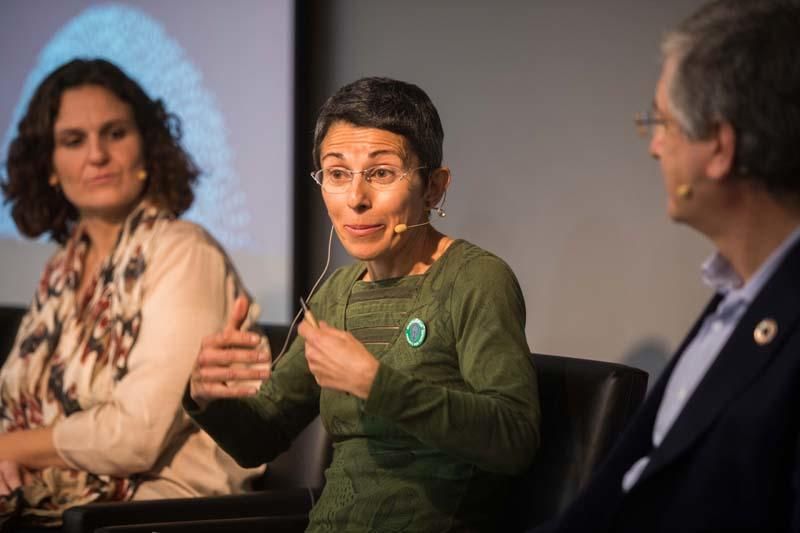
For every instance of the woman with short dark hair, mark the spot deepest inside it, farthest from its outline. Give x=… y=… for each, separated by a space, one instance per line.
x=418 y=365
x=90 y=393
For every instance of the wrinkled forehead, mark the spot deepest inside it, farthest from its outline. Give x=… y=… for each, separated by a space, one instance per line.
x=346 y=142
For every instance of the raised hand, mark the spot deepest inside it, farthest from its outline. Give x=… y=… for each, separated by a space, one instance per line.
x=231 y=363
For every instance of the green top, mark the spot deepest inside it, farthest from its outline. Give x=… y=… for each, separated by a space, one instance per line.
x=453 y=410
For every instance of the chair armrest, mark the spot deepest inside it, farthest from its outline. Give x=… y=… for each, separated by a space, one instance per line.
x=273 y=524
x=87 y=518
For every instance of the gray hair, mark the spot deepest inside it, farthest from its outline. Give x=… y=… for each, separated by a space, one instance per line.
x=738 y=61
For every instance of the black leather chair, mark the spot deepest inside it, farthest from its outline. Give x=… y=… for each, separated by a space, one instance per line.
x=10 y=317
x=585 y=406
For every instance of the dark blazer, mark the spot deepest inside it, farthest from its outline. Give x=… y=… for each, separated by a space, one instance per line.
x=730 y=461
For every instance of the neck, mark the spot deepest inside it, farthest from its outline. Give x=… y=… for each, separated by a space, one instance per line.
x=415 y=255
x=751 y=230
x=103 y=234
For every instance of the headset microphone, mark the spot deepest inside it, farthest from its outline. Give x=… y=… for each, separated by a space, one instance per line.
x=402 y=228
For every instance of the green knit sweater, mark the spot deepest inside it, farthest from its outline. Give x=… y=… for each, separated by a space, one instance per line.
x=452 y=413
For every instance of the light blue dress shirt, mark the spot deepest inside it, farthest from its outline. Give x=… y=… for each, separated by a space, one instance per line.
x=714 y=332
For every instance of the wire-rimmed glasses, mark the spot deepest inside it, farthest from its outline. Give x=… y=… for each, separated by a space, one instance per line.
x=335 y=180
x=647 y=121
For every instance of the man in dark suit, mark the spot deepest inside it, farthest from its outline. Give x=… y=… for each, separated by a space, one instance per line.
x=715 y=446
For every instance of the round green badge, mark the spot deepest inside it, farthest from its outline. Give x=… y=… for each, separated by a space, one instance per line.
x=415 y=332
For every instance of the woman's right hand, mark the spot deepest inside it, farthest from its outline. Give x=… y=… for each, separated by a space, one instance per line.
x=231 y=363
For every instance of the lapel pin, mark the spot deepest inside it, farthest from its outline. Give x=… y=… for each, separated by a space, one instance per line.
x=765 y=331
x=416 y=332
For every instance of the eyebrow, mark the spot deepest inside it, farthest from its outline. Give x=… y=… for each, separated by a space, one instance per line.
x=376 y=153
x=104 y=128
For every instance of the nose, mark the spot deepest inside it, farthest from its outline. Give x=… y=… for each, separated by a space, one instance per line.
x=358 y=196
x=655 y=144
x=98 y=152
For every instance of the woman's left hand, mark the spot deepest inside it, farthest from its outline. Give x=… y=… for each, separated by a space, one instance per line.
x=337 y=360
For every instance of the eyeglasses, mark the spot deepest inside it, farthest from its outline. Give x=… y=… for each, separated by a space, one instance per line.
x=335 y=180
x=647 y=121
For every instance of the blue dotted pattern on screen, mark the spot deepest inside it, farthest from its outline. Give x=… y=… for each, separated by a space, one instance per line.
x=141 y=47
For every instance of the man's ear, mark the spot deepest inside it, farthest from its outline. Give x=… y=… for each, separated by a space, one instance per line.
x=721 y=163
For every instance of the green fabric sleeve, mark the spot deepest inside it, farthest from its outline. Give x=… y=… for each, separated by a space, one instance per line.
x=256 y=430
x=495 y=425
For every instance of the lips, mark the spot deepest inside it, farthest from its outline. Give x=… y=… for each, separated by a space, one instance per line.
x=101 y=178
x=363 y=230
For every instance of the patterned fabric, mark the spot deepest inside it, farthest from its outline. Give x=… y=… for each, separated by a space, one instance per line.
x=69 y=353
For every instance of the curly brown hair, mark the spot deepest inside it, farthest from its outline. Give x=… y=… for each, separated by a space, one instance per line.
x=37 y=207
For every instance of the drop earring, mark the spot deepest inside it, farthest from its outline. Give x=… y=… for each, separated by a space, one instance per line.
x=440 y=209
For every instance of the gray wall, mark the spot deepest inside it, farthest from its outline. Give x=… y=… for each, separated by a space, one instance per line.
x=537 y=100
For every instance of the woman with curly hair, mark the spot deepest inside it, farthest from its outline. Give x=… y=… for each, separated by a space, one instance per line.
x=90 y=393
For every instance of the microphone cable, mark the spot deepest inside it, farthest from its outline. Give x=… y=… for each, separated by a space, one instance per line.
x=308 y=297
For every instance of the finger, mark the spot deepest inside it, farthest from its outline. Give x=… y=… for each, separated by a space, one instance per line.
x=307 y=330
x=318 y=364
x=238 y=313
x=218 y=390
x=231 y=337
x=5 y=490
x=232 y=374
x=210 y=357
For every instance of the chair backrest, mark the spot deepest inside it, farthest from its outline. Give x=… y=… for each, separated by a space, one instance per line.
x=10 y=318
x=585 y=406
x=303 y=464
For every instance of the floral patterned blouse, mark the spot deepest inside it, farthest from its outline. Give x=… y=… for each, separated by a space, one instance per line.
x=108 y=370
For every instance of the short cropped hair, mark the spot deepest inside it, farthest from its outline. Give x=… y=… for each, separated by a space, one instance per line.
x=383 y=103
x=738 y=61
x=36 y=207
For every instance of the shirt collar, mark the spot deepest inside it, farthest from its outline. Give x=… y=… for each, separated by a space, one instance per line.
x=718 y=273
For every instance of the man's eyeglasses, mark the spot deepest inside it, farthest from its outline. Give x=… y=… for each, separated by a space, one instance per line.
x=336 y=180
x=647 y=121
